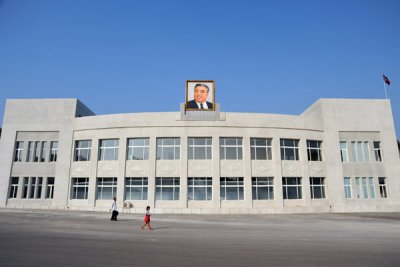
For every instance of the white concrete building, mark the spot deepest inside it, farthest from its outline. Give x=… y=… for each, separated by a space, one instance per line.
x=340 y=155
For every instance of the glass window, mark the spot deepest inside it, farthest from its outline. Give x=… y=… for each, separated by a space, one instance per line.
x=167 y=188
x=382 y=187
x=29 y=156
x=353 y=151
x=138 y=149
x=314 y=150
x=365 y=187
x=366 y=150
x=289 y=149
x=231 y=188
x=358 y=187
x=168 y=148
x=13 y=187
x=32 y=189
x=108 y=149
x=360 y=152
x=82 y=150
x=26 y=187
x=80 y=188
x=37 y=151
x=136 y=188
x=377 y=151
x=230 y=148
x=317 y=187
x=50 y=187
x=343 y=151
x=291 y=187
x=200 y=188
x=53 y=151
x=371 y=186
x=43 y=152
x=261 y=148
x=19 y=149
x=347 y=187
x=199 y=148
x=106 y=188
x=262 y=188
x=39 y=187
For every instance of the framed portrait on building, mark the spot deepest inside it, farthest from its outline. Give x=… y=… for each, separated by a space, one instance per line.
x=200 y=95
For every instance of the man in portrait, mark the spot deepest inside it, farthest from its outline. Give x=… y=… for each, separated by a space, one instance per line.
x=201 y=91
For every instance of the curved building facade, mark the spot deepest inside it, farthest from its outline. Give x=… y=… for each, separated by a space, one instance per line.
x=340 y=155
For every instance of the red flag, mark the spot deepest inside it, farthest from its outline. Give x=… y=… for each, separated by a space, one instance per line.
x=386 y=80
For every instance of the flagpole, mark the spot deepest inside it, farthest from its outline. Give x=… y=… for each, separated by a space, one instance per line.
x=384 y=85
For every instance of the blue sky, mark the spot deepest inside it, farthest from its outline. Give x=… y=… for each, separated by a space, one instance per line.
x=135 y=56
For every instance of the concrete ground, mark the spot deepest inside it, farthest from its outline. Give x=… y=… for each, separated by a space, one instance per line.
x=72 y=238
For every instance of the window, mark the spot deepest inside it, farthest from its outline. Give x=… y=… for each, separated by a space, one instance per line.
x=43 y=151
x=377 y=151
x=29 y=156
x=365 y=187
x=136 y=188
x=358 y=187
x=317 y=187
x=262 y=188
x=200 y=188
x=314 y=150
x=13 y=187
x=138 y=149
x=167 y=188
x=347 y=187
x=232 y=188
x=343 y=151
x=32 y=187
x=106 y=188
x=291 y=187
x=82 y=150
x=19 y=149
x=26 y=184
x=80 y=188
x=289 y=149
x=371 y=186
x=230 y=148
x=382 y=187
x=36 y=152
x=360 y=151
x=108 y=149
x=168 y=148
x=53 y=151
x=50 y=187
x=261 y=148
x=39 y=187
x=199 y=148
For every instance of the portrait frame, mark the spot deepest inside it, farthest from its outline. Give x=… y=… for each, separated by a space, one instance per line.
x=190 y=91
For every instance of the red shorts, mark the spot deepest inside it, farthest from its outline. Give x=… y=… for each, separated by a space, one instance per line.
x=146 y=218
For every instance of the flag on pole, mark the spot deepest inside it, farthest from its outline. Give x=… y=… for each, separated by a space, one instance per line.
x=386 y=80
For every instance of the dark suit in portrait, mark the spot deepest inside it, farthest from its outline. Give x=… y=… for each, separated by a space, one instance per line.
x=193 y=104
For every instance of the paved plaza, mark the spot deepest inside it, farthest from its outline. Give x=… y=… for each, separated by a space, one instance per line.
x=76 y=238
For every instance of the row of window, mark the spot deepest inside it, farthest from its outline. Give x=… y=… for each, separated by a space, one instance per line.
x=33 y=187
x=360 y=151
x=37 y=151
x=364 y=187
x=199 y=188
x=199 y=148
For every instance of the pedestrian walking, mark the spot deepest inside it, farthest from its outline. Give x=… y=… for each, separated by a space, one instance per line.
x=114 y=209
x=147 y=219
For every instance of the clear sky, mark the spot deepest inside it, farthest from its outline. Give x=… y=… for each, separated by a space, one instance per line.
x=135 y=56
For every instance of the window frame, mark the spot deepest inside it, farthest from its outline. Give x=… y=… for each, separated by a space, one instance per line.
x=288 y=187
x=254 y=147
x=163 y=150
x=106 y=150
x=225 y=148
x=163 y=184
x=194 y=184
x=257 y=186
x=145 y=148
x=132 y=189
x=193 y=147
x=285 y=148
x=226 y=188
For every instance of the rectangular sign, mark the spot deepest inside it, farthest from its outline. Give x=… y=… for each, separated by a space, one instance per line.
x=200 y=95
